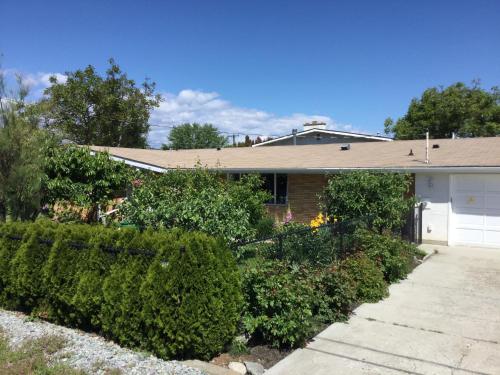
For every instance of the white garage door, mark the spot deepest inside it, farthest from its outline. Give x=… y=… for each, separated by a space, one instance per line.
x=475 y=205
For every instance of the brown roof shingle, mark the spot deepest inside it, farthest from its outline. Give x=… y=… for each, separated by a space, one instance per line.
x=469 y=152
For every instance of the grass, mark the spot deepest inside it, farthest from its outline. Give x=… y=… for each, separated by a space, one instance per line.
x=32 y=357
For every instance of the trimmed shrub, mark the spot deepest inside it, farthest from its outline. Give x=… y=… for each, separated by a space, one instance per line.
x=149 y=294
x=60 y=273
x=278 y=303
x=92 y=269
x=394 y=256
x=26 y=266
x=369 y=279
x=184 y=314
x=8 y=249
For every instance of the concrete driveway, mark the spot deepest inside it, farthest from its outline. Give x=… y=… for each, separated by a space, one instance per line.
x=444 y=319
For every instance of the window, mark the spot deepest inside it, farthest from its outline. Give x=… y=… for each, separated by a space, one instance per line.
x=274 y=183
x=277 y=185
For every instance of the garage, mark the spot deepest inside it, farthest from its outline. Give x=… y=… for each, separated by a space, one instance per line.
x=475 y=209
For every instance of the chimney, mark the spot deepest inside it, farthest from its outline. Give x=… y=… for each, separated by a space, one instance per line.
x=315 y=125
x=294 y=133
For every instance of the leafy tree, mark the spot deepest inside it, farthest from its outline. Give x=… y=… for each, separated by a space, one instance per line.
x=379 y=199
x=94 y=110
x=465 y=111
x=22 y=147
x=197 y=200
x=77 y=177
x=191 y=136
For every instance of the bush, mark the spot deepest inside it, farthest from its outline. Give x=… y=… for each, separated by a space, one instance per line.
x=265 y=227
x=368 y=278
x=381 y=199
x=8 y=249
x=394 y=256
x=174 y=293
x=198 y=200
x=278 y=303
x=26 y=266
x=301 y=244
x=337 y=294
x=185 y=314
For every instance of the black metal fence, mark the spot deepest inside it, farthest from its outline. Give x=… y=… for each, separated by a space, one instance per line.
x=412 y=230
x=324 y=243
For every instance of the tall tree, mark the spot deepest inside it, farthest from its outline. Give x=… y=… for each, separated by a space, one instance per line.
x=190 y=136
x=22 y=151
x=460 y=109
x=106 y=111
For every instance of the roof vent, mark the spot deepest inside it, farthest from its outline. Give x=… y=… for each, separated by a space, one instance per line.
x=345 y=147
x=435 y=145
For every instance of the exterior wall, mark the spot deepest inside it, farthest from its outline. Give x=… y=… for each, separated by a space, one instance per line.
x=303 y=191
x=310 y=139
x=434 y=189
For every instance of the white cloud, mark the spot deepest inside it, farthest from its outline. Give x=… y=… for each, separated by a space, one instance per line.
x=37 y=82
x=202 y=107
x=209 y=107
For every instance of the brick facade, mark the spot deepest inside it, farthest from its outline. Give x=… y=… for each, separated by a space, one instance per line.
x=303 y=191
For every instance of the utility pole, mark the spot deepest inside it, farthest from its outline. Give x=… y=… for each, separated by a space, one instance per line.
x=234 y=140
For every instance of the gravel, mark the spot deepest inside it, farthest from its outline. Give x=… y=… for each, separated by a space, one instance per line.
x=88 y=352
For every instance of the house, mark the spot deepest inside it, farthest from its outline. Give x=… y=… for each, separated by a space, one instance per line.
x=458 y=180
x=316 y=133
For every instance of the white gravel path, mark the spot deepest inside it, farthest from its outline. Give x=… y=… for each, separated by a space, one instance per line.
x=89 y=352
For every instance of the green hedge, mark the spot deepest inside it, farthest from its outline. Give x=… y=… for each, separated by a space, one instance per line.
x=174 y=293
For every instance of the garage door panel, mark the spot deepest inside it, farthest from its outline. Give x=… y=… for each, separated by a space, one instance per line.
x=469 y=235
x=492 y=219
x=474 y=217
x=475 y=210
x=492 y=201
x=492 y=184
x=492 y=237
x=466 y=183
x=469 y=200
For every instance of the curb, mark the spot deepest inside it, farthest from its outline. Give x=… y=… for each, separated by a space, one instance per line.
x=435 y=251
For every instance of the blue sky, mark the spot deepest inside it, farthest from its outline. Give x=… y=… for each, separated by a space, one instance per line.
x=263 y=67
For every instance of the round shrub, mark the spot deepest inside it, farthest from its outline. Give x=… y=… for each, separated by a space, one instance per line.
x=369 y=279
x=278 y=303
x=192 y=297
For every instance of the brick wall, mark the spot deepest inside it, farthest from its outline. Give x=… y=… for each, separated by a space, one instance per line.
x=303 y=191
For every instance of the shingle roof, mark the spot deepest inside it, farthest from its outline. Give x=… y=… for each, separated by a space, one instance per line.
x=471 y=152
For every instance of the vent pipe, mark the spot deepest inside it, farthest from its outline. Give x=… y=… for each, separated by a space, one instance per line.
x=294 y=133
